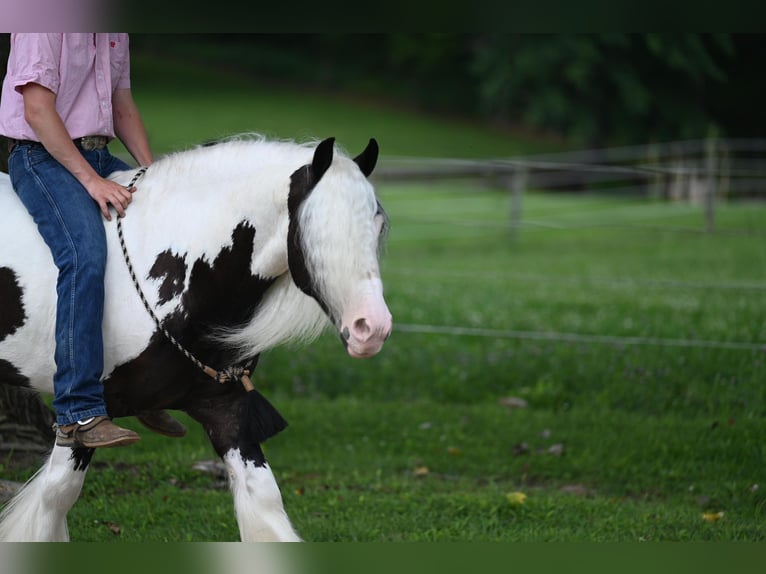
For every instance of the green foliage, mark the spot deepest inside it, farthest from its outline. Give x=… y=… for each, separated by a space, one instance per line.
x=598 y=88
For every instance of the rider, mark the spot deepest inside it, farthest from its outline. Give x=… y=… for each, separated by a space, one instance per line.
x=63 y=98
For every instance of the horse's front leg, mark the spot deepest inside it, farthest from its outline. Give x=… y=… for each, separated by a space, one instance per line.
x=257 y=501
x=38 y=511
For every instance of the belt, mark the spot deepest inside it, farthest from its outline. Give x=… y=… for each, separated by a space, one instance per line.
x=86 y=143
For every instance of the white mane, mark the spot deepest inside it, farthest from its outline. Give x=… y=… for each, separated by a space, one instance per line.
x=286 y=315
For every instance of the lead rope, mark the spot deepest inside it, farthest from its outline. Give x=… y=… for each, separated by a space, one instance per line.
x=222 y=376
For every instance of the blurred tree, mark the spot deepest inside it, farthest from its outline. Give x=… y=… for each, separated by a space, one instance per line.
x=595 y=89
x=598 y=88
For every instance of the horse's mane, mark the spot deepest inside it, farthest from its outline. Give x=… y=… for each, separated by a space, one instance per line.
x=257 y=147
x=285 y=315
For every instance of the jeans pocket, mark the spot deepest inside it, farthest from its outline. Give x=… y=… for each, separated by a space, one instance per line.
x=37 y=155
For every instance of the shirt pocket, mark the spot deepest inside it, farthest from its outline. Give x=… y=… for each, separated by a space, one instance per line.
x=118 y=61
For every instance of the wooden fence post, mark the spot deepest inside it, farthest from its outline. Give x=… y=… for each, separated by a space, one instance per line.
x=518 y=182
x=710 y=181
x=654 y=187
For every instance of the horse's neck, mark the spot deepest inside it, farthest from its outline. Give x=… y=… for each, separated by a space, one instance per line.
x=191 y=202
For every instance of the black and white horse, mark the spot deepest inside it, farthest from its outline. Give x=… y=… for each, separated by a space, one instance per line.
x=238 y=247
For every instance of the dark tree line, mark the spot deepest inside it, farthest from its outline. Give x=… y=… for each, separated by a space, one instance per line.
x=595 y=89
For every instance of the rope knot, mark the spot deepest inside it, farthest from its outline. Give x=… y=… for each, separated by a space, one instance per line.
x=232 y=374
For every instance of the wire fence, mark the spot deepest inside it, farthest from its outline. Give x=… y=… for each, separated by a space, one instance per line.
x=700 y=173
x=576 y=337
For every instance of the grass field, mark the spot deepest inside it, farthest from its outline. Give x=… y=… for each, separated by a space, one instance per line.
x=634 y=339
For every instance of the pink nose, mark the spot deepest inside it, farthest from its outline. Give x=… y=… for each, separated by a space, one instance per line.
x=362 y=332
x=367 y=331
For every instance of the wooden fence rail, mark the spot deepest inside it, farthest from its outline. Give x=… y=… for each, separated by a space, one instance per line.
x=698 y=171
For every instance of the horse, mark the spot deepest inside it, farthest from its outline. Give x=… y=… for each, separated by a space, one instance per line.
x=228 y=250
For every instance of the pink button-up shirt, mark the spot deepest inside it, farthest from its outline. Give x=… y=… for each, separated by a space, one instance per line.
x=83 y=70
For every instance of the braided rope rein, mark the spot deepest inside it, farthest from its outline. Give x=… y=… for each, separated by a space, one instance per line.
x=222 y=376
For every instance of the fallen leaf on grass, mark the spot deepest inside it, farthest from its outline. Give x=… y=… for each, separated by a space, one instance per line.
x=516 y=498
x=712 y=516
x=454 y=451
x=214 y=467
x=577 y=489
x=513 y=402
x=421 y=471
x=113 y=526
x=556 y=449
x=521 y=448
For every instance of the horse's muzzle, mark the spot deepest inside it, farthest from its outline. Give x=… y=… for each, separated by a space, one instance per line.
x=365 y=337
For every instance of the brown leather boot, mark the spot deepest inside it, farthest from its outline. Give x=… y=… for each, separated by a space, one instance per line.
x=98 y=432
x=162 y=423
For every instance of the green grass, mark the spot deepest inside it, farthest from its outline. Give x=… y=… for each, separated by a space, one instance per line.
x=415 y=444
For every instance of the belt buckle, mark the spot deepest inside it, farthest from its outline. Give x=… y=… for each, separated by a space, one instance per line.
x=90 y=143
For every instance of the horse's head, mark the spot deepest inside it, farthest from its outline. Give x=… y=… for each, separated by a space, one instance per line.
x=336 y=225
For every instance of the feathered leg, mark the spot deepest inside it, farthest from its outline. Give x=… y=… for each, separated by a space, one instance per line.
x=257 y=501
x=38 y=511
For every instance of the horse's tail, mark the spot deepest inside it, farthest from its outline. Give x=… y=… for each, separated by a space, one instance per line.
x=37 y=513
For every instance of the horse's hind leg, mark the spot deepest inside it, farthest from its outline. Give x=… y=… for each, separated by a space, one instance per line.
x=38 y=512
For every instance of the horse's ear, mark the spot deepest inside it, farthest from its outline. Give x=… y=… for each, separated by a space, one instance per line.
x=368 y=158
x=322 y=158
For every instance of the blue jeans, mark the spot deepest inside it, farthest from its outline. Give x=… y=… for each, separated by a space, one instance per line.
x=72 y=225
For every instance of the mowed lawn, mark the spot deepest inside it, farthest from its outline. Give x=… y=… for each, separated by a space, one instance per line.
x=599 y=376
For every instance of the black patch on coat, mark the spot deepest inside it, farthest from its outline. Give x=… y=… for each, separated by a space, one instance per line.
x=171 y=270
x=221 y=293
x=251 y=451
x=81 y=457
x=12 y=316
x=10 y=375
